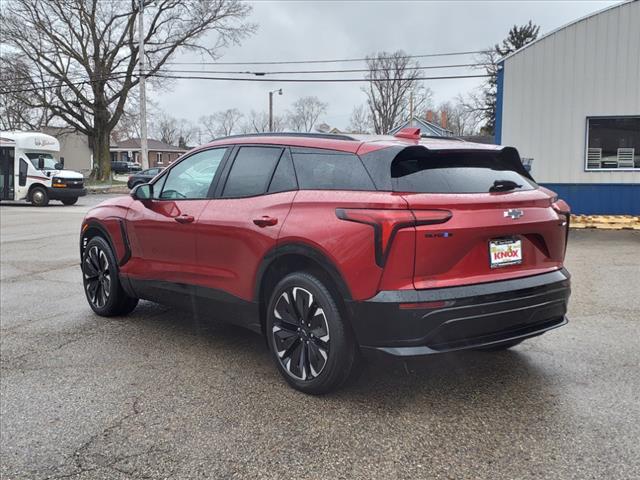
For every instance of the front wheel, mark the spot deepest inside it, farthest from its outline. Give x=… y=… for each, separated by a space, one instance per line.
x=102 y=285
x=309 y=339
x=70 y=201
x=39 y=197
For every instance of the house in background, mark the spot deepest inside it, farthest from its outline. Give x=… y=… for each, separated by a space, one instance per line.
x=571 y=102
x=74 y=148
x=426 y=125
x=160 y=154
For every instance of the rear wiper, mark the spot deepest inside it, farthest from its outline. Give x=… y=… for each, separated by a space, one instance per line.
x=504 y=185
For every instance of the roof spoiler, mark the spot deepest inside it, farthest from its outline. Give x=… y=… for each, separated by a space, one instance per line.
x=410 y=133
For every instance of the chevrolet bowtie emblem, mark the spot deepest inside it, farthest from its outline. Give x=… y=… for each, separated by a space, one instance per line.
x=513 y=213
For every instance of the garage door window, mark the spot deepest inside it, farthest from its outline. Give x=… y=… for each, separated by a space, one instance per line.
x=613 y=143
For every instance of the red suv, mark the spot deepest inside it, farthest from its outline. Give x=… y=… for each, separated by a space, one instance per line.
x=332 y=246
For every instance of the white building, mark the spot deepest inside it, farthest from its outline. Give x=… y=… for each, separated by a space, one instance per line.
x=571 y=101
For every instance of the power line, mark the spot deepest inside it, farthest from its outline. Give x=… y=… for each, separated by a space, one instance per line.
x=252 y=79
x=296 y=72
x=343 y=60
x=313 y=80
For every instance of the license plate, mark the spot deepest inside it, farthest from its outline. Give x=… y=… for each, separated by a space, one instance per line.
x=505 y=252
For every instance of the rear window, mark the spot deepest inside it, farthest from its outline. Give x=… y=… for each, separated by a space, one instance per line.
x=329 y=170
x=457 y=172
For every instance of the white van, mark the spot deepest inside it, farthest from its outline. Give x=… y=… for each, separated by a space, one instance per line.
x=30 y=170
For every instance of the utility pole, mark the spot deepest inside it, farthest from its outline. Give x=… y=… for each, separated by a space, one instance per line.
x=144 y=154
x=279 y=92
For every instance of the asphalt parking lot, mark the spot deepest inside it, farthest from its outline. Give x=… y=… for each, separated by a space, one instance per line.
x=161 y=395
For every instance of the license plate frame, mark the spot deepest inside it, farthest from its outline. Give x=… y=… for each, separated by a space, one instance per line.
x=509 y=252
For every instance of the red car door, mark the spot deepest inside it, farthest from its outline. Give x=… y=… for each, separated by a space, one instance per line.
x=162 y=231
x=243 y=222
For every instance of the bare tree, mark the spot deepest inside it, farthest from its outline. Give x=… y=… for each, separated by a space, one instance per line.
x=305 y=113
x=360 y=121
x=258 y=122
x=391 y=77
x=460 y=120
x=166 y=130
x=88 y=50
x=422 y=98
x=18 y=107
x=221 y=124
x=187 y=133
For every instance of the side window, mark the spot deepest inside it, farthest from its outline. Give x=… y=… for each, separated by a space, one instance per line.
x=284 y=178
x=22 y=172
x=251 y=171
x=192 y=177
x=329 y=170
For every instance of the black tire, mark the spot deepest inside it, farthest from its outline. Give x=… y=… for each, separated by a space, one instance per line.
x=101 y=280
x=39 y=197
x=500 y=346
x=70 y=201
x=320 y=356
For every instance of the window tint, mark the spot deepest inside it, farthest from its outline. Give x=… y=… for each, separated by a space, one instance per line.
x=251 y=171
x=455 y=172
x=284 y=178
x=192 y=177
x=327 y=170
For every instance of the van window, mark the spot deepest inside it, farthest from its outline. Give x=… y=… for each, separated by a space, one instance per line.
x=23 y=169
x=49 y=161
x=330 y=170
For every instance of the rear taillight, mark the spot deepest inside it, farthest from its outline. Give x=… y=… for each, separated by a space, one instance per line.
x=386 y=223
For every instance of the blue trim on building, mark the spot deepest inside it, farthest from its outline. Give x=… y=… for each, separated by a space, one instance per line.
x=599 y=198
x=499 y=95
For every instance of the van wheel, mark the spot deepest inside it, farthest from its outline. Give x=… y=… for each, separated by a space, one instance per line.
x=102 y=285
x=39 y=197
x=309 y=339
x=70 y=201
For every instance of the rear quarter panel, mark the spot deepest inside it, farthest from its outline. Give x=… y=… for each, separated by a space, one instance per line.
x=349 y=246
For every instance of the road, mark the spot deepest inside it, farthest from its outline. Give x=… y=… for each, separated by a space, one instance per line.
x=161 y=395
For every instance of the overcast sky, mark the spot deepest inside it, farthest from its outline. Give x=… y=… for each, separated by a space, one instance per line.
x=303 y=30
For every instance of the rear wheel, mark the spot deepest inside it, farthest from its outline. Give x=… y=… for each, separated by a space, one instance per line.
x=500 y=346
x=102 y=285
x=39 y=197
x=70 y=201
x=310 y=342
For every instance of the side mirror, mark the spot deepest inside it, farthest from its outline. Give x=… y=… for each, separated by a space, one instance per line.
x=60 y=164
x=143 y=192
x=40 y=162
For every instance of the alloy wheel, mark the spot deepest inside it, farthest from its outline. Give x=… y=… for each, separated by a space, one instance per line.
x=300 y=334
x=97 y=276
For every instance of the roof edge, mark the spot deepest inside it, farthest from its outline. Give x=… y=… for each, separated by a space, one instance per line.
x=562 y=27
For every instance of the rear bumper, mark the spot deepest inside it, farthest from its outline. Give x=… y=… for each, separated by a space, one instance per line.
x=423 y=322
x=64 y=193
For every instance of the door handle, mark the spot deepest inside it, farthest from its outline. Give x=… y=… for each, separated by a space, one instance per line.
x=265 y=221
x=184 y=218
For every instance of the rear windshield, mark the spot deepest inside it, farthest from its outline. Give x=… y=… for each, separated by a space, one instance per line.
x=457 y=172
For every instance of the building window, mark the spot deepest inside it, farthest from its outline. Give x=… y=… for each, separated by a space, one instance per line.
x=613 y=143
x=159 y=158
